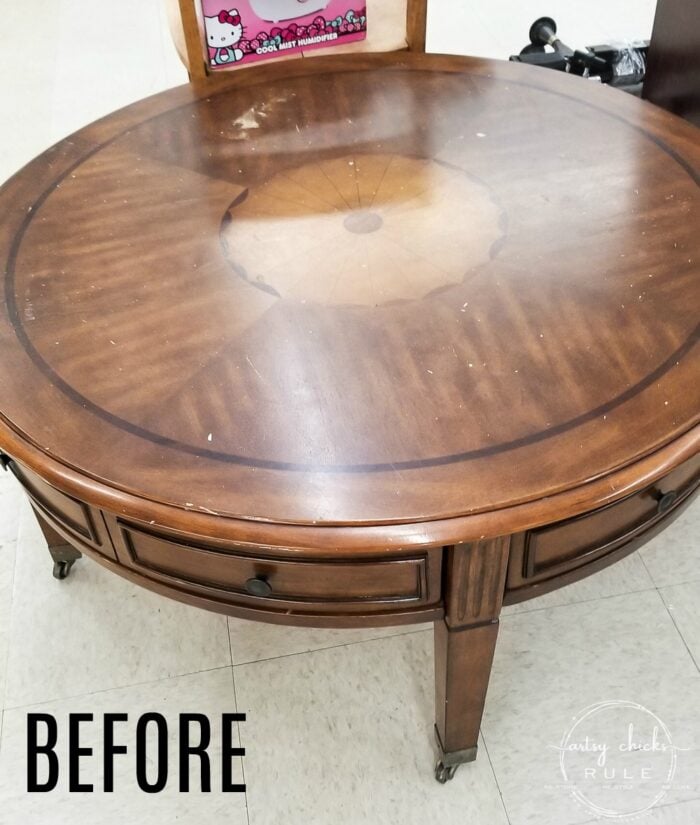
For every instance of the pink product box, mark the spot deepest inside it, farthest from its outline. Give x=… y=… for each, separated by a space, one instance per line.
x=254 y=30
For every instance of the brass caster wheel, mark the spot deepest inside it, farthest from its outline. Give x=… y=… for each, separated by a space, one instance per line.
x=61 y=569
x=444 y=773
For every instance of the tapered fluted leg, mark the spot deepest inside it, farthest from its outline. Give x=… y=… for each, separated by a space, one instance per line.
x=465 y=641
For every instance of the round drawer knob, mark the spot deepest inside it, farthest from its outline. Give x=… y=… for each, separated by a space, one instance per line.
x=665 y=500
x=258 y=586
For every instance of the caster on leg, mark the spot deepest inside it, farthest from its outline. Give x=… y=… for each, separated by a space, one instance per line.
x=63 y=555
x=443 y=772
x=61 y=569
x=448 y=761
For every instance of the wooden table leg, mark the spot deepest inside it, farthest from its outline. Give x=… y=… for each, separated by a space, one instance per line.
x=64 y=555
x=464 y=645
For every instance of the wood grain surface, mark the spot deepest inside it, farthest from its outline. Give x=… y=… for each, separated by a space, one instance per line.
x=387 y=289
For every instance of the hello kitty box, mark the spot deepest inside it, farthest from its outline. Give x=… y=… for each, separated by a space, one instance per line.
x=239 y=32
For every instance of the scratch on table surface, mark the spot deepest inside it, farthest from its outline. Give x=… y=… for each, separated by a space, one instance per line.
x=397 y=471
x=255 y=369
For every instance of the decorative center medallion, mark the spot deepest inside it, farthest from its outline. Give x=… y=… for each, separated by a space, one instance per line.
x=364 y=230
x=362 y=222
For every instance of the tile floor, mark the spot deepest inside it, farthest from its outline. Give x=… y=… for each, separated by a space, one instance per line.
x=339 y=722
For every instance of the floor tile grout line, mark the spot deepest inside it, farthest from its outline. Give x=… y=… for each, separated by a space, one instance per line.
x=503 y=617
x=332 y=647
x=495 y=777
x=658 y=586
x=117 y=687
x=646 y=567
x=668 y=610
x=678 y=630
x=228 y=636
x=653 y=808
x=519 y=613
x=238 y=724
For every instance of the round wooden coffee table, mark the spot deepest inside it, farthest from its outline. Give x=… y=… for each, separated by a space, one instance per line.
x=358 y=341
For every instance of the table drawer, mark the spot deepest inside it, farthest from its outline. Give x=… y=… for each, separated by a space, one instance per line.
x=547 y=552
x=78 y=522
x=244 y=576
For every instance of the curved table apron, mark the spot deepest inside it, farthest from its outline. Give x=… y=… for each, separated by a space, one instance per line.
x=358 y=341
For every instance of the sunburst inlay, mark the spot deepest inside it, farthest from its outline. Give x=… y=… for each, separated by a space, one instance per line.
x=365 y=230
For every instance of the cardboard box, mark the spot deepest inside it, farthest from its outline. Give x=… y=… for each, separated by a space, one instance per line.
x=253 y=30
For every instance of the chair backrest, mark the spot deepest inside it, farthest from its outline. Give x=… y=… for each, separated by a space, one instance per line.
x=392 y=25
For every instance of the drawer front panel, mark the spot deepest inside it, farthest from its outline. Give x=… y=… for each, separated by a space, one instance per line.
x=549 y=551
x=323 y=583
x=80 y=523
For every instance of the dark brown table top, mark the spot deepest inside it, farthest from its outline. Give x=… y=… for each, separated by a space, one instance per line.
x=370 y=289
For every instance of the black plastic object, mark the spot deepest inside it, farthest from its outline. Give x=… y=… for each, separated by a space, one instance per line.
x=621 y=66
x=543 y=31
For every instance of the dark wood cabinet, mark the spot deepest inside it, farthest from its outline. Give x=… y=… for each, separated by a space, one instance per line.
x=673 y=65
